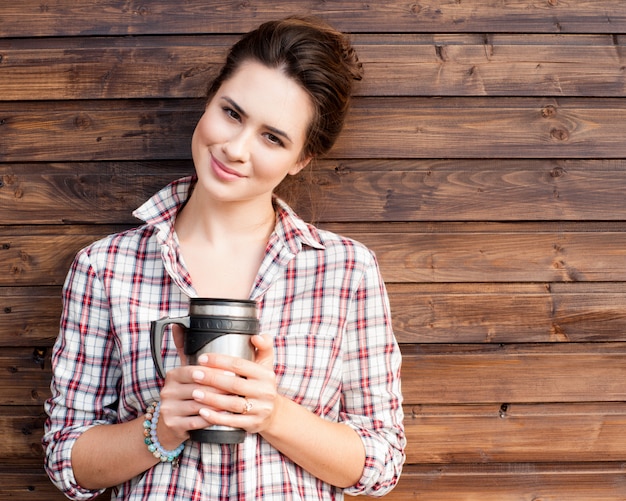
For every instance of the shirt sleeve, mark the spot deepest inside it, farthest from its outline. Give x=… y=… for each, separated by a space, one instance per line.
x=372 y=398
x=85 y=374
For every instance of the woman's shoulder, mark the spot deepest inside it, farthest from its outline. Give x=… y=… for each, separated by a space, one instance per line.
x=335 y=243
x=315 y=236
x=123 y=242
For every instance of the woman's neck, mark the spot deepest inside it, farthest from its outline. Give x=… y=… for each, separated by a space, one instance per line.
x=224 y=223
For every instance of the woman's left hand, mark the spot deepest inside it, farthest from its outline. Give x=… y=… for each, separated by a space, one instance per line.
x=246 y=390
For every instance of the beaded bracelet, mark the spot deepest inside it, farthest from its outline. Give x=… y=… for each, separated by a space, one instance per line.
x=151 y=440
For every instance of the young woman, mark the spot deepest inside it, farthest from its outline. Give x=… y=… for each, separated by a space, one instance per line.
x=321 y=402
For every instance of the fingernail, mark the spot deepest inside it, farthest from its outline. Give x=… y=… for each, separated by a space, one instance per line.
x=203 y=359
x=198 y=394
x=198 y=375
x=205 y=413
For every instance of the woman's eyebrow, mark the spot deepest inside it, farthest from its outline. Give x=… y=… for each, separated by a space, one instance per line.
x=273 y=130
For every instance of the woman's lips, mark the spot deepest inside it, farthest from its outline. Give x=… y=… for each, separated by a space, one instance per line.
x=223 y=172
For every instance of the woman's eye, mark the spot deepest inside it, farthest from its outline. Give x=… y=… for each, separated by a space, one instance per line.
x=274 y=139
x=231 y=113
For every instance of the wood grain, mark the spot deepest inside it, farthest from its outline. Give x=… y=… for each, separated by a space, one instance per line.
x=422 y=313
x=499 y=482
x=376 y=128
x=523 y=373
x=395 y=65
x=514 y=432
x=433 y=374
x=29 y=316
x=26 y=484
x=97 y=17
x=512 y=482
x=449 y=434
x=405 y=256
x=508 y=313
x=345 y=190
x=483 y=162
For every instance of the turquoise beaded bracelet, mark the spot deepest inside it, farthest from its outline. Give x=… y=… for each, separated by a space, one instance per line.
x=151 y=440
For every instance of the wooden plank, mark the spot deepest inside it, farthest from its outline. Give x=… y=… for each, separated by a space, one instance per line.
x=29 y=316
x=601 y=481
x=110 y=68
x=483 y=128
x=466 y=255
x=82 y=193
x=376 y=128
x=98 y=130
x=470 y=190
x=395 y=65
x=500 y=256
x=25 y=261
x=433 y=374
x=23 y=432
x=109 y=17
x=491 y=65
x=342 y=190
x=499 y=482
x=445 y=434
x=468 y=374
x=25 y=378
x=21 y=484
x=508 y=313
x=422 y=313
x=516 y=433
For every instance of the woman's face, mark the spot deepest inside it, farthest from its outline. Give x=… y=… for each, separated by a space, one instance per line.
x=251 y=135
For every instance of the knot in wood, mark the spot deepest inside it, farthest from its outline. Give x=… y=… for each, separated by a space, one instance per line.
x=143 y=11
x=342 y=169
x=557 y=172
x=553 y=3
x=548 y=111
x=39 y=356
x=82 y=121
x=559 y=134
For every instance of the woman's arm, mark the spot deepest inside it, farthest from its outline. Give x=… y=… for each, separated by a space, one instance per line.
x=331 y=451
x=97 y=452
x=109 y=455
x=83 y=445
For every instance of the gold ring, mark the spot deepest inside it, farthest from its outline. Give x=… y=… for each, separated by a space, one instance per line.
x=247 y=406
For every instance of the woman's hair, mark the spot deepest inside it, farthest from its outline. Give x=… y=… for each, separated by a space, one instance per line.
x=315 y=55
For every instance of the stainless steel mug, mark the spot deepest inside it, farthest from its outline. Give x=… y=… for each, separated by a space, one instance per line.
x=212 y=326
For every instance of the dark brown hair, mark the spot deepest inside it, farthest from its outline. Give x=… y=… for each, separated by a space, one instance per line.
x=315 y=55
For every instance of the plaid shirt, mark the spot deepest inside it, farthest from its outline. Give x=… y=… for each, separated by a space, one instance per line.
x=320 y=296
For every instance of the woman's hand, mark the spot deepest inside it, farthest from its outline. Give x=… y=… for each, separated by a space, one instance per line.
x=245 y=390
x=179 y=411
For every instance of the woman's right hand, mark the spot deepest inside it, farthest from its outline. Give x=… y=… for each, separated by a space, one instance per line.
x=179 y=412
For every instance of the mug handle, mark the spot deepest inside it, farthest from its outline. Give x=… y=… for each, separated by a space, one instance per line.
x=157 y=328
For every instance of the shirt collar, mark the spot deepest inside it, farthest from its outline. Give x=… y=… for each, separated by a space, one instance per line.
x=292 y=230
x=161 y=209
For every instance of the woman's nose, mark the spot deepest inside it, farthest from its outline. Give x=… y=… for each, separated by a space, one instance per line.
x=237 y=147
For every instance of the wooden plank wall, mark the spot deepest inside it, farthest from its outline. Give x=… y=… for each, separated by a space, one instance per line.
x=484 y=162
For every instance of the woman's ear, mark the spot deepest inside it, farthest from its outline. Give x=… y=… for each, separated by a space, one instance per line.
x=300 y=165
